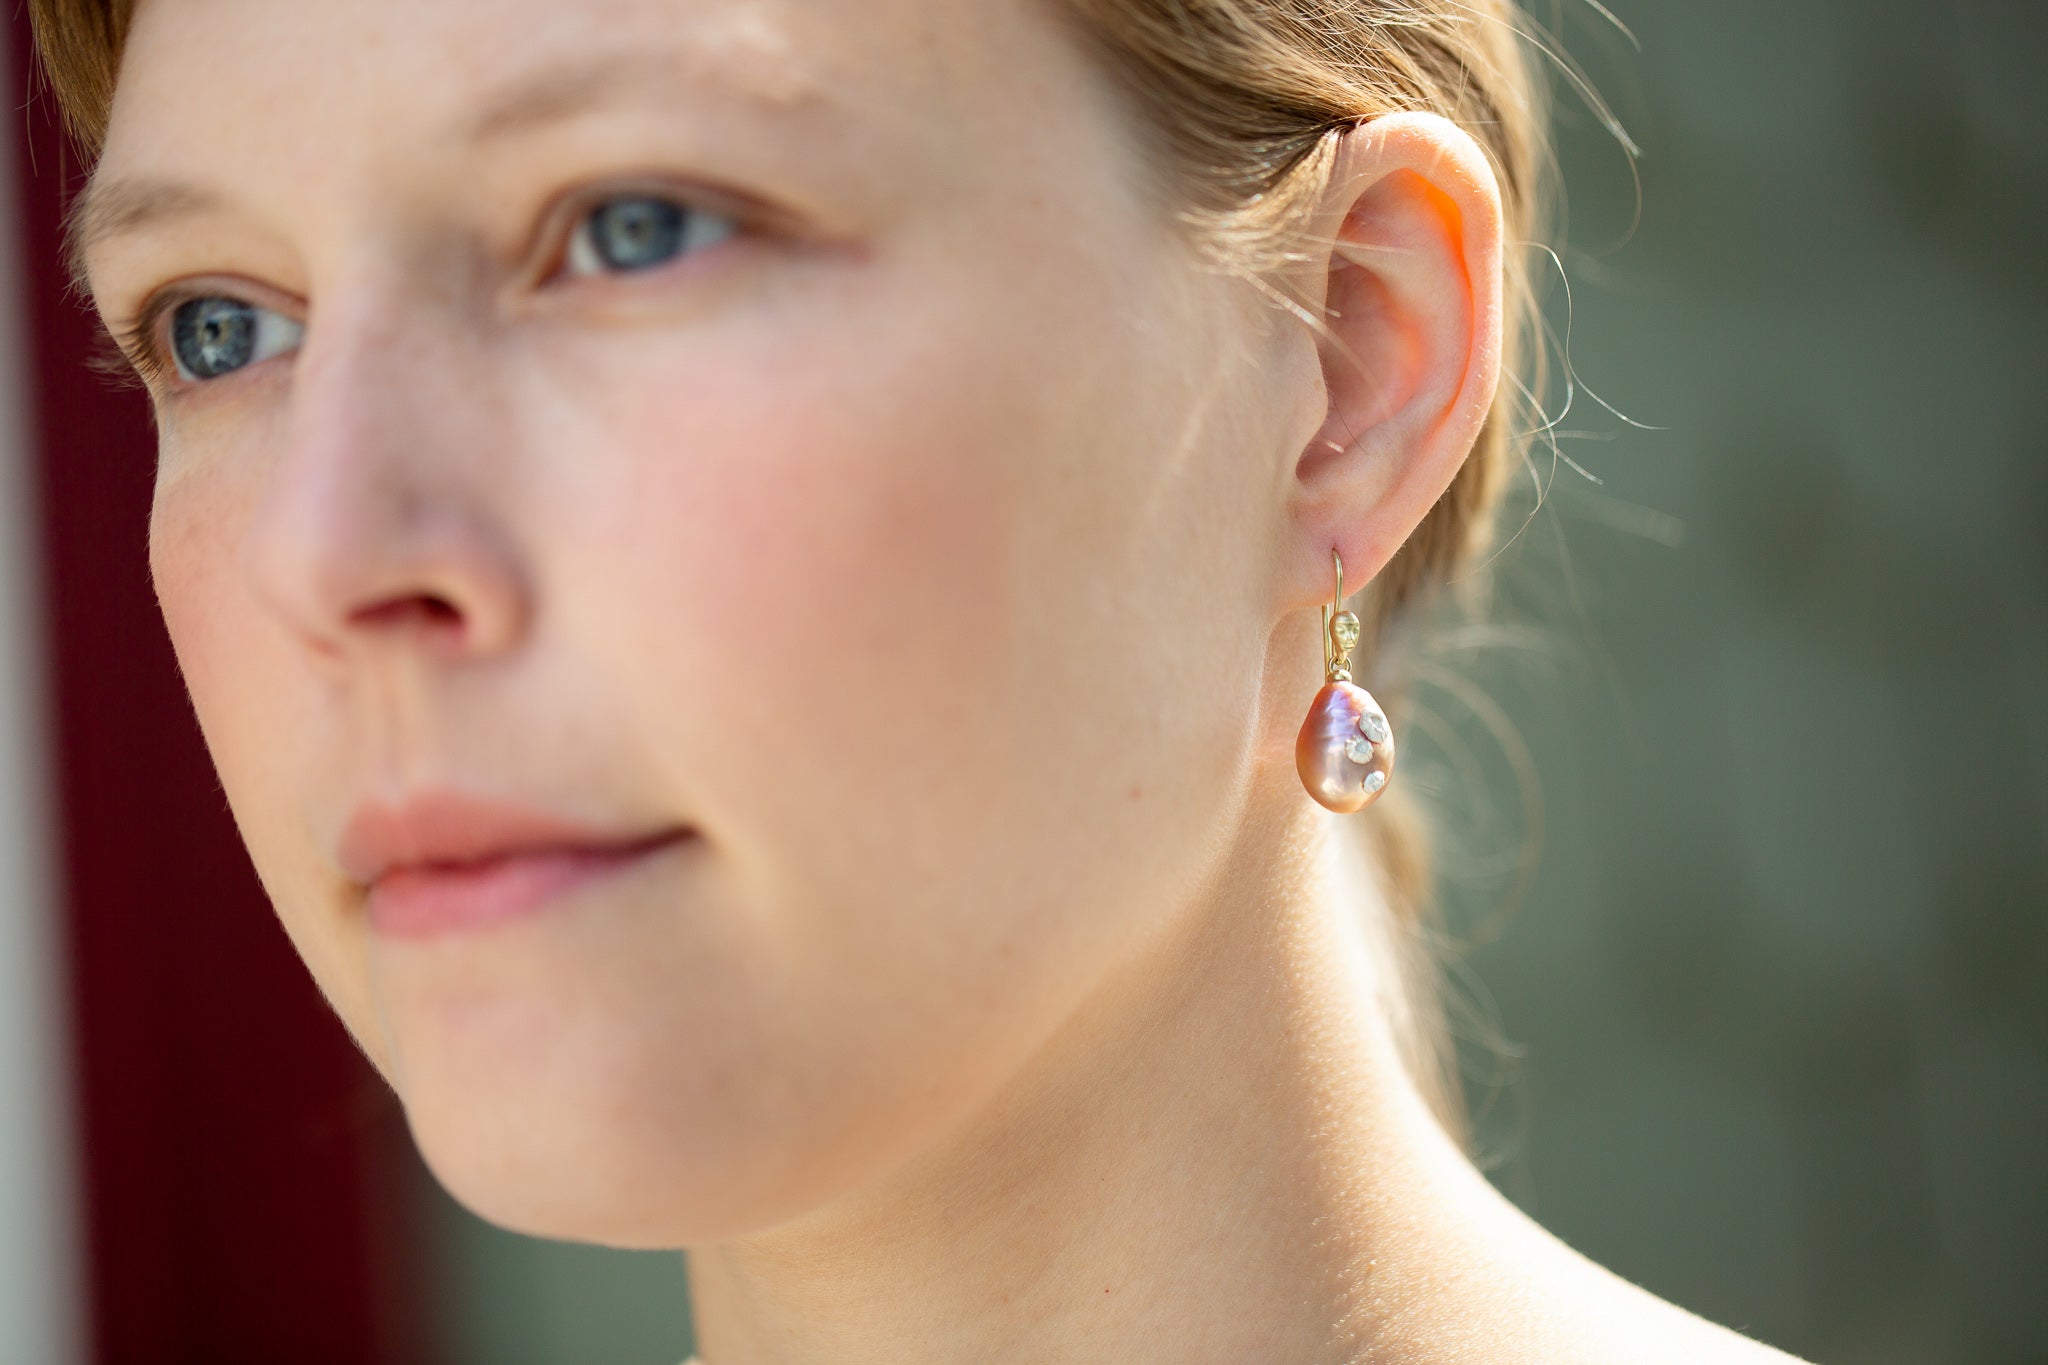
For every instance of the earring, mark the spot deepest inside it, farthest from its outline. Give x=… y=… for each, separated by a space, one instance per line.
x=1345 y=751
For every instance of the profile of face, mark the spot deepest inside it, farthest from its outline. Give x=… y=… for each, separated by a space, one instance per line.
x=1344 y=629
x=785 y=443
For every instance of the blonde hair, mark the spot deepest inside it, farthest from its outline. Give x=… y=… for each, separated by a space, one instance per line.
x=1245 y=99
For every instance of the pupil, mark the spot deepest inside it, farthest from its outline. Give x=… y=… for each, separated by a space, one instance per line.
x=212 y=336
x=634 y=233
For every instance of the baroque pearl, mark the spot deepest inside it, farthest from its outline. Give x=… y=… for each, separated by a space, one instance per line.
x=1323 y=749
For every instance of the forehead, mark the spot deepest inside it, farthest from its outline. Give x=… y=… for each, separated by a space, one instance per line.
x=771 y=44
x=258 y=74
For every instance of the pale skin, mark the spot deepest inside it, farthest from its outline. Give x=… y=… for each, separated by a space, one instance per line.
x=946 y=546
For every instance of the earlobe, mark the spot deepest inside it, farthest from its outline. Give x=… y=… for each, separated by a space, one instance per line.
x=1406 y=269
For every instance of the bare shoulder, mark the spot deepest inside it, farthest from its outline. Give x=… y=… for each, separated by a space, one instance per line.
x=1593 y=1315
x=1513 y=1291
x=1574 y=1318
x=1659 y=1330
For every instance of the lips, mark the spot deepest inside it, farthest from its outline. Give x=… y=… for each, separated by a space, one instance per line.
x=444 y=861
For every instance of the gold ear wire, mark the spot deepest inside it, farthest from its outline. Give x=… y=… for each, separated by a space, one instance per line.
x=1336 y=652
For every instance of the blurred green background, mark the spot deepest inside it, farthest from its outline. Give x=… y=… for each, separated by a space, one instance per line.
x=1767 y=1031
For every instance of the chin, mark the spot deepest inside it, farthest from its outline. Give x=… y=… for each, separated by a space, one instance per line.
x=631 y=1079
x=579 y=1164
x=620 y=1141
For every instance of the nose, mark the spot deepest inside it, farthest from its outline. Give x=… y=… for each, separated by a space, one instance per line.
x=382 y=526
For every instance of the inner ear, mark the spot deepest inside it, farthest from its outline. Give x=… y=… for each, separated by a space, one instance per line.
x=1396 y=342
x=1372 y=362
x=1401 y=288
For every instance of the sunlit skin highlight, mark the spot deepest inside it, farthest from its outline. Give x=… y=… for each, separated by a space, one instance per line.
x=944 y=548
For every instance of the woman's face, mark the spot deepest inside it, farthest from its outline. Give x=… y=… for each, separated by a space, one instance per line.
x=722 y=549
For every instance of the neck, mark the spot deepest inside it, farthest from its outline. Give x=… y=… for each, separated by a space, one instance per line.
x=1219 y=1157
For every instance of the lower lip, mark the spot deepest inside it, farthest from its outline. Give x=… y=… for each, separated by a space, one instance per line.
x=435 y=899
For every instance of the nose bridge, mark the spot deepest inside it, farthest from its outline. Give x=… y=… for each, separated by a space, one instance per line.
x=377 y=526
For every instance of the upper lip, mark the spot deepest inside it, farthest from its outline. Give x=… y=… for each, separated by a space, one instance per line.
x=447 y=827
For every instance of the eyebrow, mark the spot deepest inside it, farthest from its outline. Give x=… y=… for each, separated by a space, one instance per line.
x=551 y=93
x=109 y=208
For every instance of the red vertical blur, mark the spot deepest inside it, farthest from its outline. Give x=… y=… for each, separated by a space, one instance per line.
x=241 y=1197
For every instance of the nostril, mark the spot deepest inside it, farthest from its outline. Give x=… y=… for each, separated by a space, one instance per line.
x=423 y=610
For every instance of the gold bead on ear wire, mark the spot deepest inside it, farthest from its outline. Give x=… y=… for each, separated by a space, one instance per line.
x=1345 y=751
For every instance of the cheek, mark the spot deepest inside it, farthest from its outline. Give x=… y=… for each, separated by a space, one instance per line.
x=813 y=565
x=872 y=615
x=262 y=729
x=231 y=666
x=878 y=599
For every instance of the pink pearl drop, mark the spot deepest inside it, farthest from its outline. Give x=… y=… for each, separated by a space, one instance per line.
x=1333 y=777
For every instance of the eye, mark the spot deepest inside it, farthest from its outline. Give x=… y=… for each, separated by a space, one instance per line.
x=214 y=335
x=635 y=232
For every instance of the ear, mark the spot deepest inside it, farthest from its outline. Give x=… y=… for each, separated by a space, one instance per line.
x=1404 y=263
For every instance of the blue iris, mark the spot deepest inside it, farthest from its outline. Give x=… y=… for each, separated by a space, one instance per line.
x=634 y=233
x=214 y=335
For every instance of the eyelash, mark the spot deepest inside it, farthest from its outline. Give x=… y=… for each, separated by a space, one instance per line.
x=130 y=353
x=133 y=354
